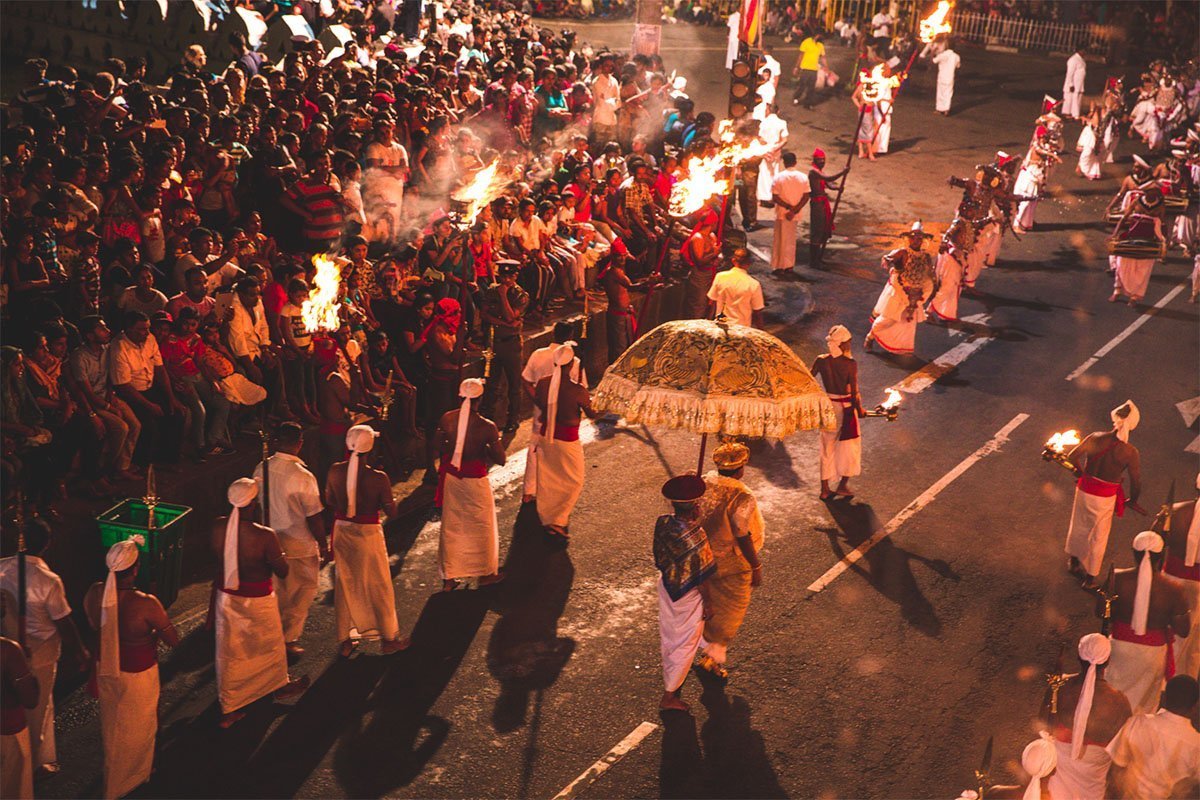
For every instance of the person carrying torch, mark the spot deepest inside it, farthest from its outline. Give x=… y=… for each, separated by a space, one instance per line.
x=841 y=450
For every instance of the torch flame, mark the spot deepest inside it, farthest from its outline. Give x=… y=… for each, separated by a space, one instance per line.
x=936 y=23
x=1059 y=442
x=320 y=310
x=875 y=85
x=487 y=185
x=689 y=194
x=892 y=401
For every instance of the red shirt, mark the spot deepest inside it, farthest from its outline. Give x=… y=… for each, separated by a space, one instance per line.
x=179 y=354
x=583 y=208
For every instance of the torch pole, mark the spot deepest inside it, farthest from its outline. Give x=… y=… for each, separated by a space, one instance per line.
x=903 y=80
x=266 y=477
x=703 y=447
x=837 y=201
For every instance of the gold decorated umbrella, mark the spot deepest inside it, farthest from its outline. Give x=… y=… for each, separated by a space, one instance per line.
x=710 y=376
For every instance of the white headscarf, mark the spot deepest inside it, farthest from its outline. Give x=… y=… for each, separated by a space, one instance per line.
x=837 y=335
x=468 y=390
x=360 y=439
x=1039 y=759
x=1125 y=418
x=564 y=354
x=1095 y=650
x=1146 y=542
x=241 y=493
x=121 y=556
x=1191 y=553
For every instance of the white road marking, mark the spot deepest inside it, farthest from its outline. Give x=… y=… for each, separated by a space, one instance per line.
x=973 y=319
x=991 y=446
x=1125 y=334
x=929 y=374
x=618 y=752
x=758 y=251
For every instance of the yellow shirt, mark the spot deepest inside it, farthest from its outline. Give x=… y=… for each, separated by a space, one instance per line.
x=810 y=53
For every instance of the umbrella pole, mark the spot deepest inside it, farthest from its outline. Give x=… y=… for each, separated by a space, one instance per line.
x=703 y=446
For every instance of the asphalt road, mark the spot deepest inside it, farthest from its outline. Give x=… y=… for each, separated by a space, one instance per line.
x=885 y=683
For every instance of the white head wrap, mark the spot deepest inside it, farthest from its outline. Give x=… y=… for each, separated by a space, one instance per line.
x=1095 y=650
x=1191 y=552
x=1125 y=418
x=564 y=354
x=468 y=390
x=1039 y=759
x=1146 y=542
x=837 y=335
x=241 y=494
x=121 y=556
x=359 y=439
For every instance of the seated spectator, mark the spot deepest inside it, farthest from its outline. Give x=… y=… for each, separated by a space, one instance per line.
x=89 y=370
x=139 y=378
x=142 y=296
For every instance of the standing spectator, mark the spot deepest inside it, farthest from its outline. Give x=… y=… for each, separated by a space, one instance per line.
x=316 y=200
x=811 y=59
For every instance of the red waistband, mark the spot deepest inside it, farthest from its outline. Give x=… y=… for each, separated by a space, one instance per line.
x=12 y=720
x=138 y=657
x=470 y=468
x=359 y=519
x=1097 y=487
x=1175 y=566
x=250 y=589
x=1153 y=637
x=563 y=433
x=1063 y=734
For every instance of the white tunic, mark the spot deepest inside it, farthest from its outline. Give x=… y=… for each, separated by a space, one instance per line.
x=1157 y=753
x=1073 y=85
x=948 y=63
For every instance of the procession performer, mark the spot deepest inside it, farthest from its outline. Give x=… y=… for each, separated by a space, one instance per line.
x=841 y=450
x=685 y=563
x=947 y=63
x=251 y=657
x=1074 y=85
x=1101 y=461
x=734 y=528
x=364 y=599
x=1053 y=123
x=1111 y=118
x=620 y=319
x=131 y=624
x=1158 y=754
x=1032 y=177
x=18 y=696
x=541 y=365
x=1141 y=223
x=956 y=251
x=1145 y=119
x=1096 y=712
x=789 y=193
x=884 y=109
x=560 y=470
x=901 y=304
x=1132 y=186
x=773 y=131
x=1089 y=146
x=736 y=296
x=1183 y=563
x=1149 y=609
x=469 y=548
x=296 y=516
x=820 y=219
x=869 y=119
x=1039 y=759
x=702 y=253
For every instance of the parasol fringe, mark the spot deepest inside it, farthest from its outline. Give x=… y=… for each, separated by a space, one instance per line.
x=729 y=414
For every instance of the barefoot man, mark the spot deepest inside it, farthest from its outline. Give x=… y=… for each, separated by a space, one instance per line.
x=363 y=595
x=560 y=468
x=1149 y=610
x=251 y=656
x=1183 y=562
x=131 y=624
x=1101 y=461
x=702 y=253
x=684 y=562
x=541 y=365
x=841 y=450
x=469 y=444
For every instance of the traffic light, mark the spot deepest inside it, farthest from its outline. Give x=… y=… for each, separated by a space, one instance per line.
x=743 y=83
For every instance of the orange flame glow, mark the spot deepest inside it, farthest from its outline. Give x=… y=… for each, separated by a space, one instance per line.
x=487 y=185
x=320 y=310
x=876 y=85
x=1060 y=442
x=690 y=193
x=892 y=401
x=936 y=23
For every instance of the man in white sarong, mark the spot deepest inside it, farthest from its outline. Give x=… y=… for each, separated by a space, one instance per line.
x=296 y=516
x=363 y=596
x=1101 y=461
x=1141 y=222
x=1090 y=147
x=541 y=365
x=383 y=183
x=957 y=251
x=1149 y=610
x=1157 y=755
x=251 y=658
x=733 y=42
x=773 y=131
x=19 y=690
x=841 y=450
x=685 y=562
x=1183 y=563
x=1090 y=712
x=947 y=63
x=469 y=549
x=560 y=467
x=901 y=304
x=1074 y=85
x=131 y=624
x=789 y=193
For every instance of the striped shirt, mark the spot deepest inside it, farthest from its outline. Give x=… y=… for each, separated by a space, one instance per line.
x=324 y=203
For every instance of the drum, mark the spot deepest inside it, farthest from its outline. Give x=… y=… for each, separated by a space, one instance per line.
x=1137 y=240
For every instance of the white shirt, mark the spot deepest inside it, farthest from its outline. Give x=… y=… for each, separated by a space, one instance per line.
x=134 y=365
x=737 y=295
x=791 y=185
x=947 y=62
x=881 y=25
x=529 y=234
x=294 y=498
x=225 y=276
x=45 y=597
x=387 y=155
x=606 y=93
x=248 y=337
x=1076 y=74
x=1157 y=753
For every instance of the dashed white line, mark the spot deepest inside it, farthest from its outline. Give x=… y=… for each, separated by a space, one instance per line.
x=589 y=775
x=915 y=506
x=1125 y=334
x=929 y=374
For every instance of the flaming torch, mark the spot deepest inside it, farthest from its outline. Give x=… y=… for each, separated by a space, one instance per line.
x=889 y=408
x=320 y=311
x=704 y=179
x=936 y=24
x=1058 y=446
x=478 y=193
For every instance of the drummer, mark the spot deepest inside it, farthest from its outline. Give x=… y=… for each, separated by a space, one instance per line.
x=1137 y=242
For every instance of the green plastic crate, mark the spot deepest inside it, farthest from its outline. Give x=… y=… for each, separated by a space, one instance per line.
x=161 y=569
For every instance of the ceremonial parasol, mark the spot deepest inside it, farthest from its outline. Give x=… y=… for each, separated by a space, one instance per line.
x=708 y=376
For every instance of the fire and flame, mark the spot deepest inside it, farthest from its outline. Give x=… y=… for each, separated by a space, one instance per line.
x=690 y=194
x=936 y=23
x=487 y=185
x=876 y=85
x=320 y=310
x=892 y=401
x=1061 y=442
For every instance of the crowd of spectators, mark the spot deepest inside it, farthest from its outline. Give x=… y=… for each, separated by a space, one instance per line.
x=159 y=233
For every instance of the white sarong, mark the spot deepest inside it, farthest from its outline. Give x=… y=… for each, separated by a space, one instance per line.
x=296 y=593
x=470 y=542
x=239 y=389
x=1089 y=157
x=16 y=754
x=1133 y=275
x=560 y=471
x=1082 y=779
x=363 y=597
x=251 y=658
x=43 y=663
x=680 y=628
x=945 y=93
x=988 y=243
x=1138 y=670
x=950 y=275
x=783 y=241
x=128 y=727
x=890 y=329
x=1091 y=522
x=840 y=458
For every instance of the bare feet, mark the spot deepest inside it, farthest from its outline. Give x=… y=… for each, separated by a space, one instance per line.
x=232 y=718
x=394 y=646
x=1114 y=297
x=347 y=648
x=671 y=702
x=294 y=688
x=558 y=530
